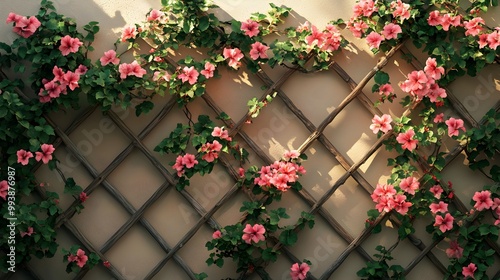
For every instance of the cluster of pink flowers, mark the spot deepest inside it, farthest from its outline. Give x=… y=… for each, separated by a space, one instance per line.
x=131 y=69
x=69 y=45
x=250 y=28
x=45 y=155
x=4 y=189
x=211 y=151
x=299 y=272
x=23 y=26
x=422 y=83
x=253 y=233
x=382 y=123
x=386 y=198
x=364 y=8
x=60 y=83
x=326 y=40
x=279 y=174
x=492 y=40
x=186 y=161
x=80 y=258
x=390 y=31
x=444 y=20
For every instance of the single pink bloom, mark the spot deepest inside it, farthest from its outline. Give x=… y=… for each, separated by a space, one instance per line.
x=417 y=80
x=316 y=37
x=468 y=271
x=280 y=181
x=456 y=20
x=473 y=26
x=483 y=40
x=46 y=154
x=28 y=232
x=23 y=156
x=385 y=89
x=493 y=40
x=4 y=189
x=446 y=22
x=212 y=151
x=106 y=264
x=155 y=15
x=406 y=140
x=234 y=56
x=25 y=27
x=253 y=233
x=434 y=18
x=483 y=200
x=382 y=123
x=43 y=97
x=409 y=185
x=385 y=204
x=109 y=57
x=221 y=133
x=250 y=27
x=454 y=125
x=83 y=197
x=445 y=223
x=189 y=160
x=293 y=154
x=241 y=172
x=189 y=74
x=401 y=10
x=432 y=70
x=258 y=50
x=439 y=118
x=69 y=45
x=401 y=205
x=58 y=74
x=81 y=70
x=436 y=190
x=129 y=32
x=455 y=251
x=358 y=28
x=52 y=88
x=391 y=31
x=439 y=207
x=71 y=79
x=374 y=39
x=435 y=92
x=80 y=258
x=209 y=70
x=217 y=234
x=299 y=272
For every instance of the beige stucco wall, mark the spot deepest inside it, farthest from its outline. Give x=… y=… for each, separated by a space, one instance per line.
x=275 y=130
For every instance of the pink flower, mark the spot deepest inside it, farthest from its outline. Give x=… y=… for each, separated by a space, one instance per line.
x=155 y=15
x=83 y=197
x=209 y=70
x=439 y=118
x=28 y=232
x=189 y=160
x=52 y=88
x=385 y=204
x=383 y=190
x=417 y=80
x=253 y=233
x=46 y=154
x=23 y=156
x=391 y=31
x=468 y=271
x=432 y=70
x=385 y=89
x=382 y=123
x=288 y=155
x=374 y=39
x=473 y=26
x=483 y=200
x=483 y=40
x=401 y=205
x=44 y=98
x=129 y=32
x=109 y=57
x=234 y=56
x=250 y=27
x=493 y=40
x=258 y=50
x=81 y=70
x=406 y=140
x=439 y=207
x=58 y=74
x=401 y=10
x=132 y=69
x=446 y=22
x=436 y=92
x=25 y=27
x=436 y=190
x=157 y=75
x=455 y=251
x=71 y=79
x=217 y=234
x=358 y=28
x=212 y=151
x=434 y=18
x=299 y=272
x=454 y=125
x=106 y=264
x=12 y=17
x=189 y=74
x=409 y=185
x=69 y=45
x=445 y=223
x=179 y=166
x=221 y=133
x=80 y=258
x=4 y=189
x=316 y=37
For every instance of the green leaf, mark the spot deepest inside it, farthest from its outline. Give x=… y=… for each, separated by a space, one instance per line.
x=381 y=78
x=204 y=23
x=71 y=187
x=288 y=237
